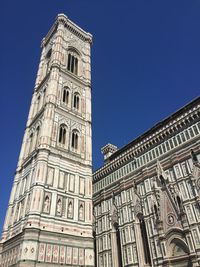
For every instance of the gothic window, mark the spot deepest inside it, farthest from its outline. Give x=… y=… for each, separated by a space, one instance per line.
x=65 y=96
x=72 y=64
x=76 y=101
x=74 y=143
x=62 y=135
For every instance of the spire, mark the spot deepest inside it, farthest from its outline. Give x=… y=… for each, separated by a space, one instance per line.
x=161 y=175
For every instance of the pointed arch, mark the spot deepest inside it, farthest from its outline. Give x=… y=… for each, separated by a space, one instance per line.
x=76 y=101
x=65 y=95
x=73 y=60
x=62 y=134
x=75 y=140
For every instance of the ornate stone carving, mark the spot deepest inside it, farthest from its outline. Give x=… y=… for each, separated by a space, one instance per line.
x=59 y=206
x=47 y=203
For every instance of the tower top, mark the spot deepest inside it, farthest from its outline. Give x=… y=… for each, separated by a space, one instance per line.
x=71 y=26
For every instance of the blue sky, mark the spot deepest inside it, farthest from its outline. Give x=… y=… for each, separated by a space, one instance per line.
x=145 y=66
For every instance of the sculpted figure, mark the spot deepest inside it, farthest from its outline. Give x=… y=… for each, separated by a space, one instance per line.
x=59 y=206
x=47 y=204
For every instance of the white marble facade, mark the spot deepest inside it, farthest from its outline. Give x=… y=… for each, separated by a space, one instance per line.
x=147 y=197
x=49 y=216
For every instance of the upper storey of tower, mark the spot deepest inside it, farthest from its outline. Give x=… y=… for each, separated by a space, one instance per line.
x=67 y=47
x=70 y=26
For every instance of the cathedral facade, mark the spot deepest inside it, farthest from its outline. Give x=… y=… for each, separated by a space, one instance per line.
x=49 y=216
x=147 y=197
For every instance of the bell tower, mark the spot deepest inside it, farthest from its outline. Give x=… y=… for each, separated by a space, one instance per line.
x=49 y=216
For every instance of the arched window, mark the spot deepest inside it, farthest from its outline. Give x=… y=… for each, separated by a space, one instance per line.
x=62 y=135
x=72 y=63
x=65 y=98
x=75 y=140
x=76 y=101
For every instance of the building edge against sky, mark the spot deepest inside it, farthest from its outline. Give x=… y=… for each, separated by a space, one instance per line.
x=49 y=216
x=146 y=195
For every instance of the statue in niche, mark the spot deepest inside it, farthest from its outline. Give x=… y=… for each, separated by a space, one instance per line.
x=59 y=206
x=46 y=204
x=70 y=210
x=81 y=217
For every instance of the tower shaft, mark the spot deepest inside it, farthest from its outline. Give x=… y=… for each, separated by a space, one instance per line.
x=49 y=216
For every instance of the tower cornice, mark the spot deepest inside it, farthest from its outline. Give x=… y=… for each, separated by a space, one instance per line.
x=71 y=26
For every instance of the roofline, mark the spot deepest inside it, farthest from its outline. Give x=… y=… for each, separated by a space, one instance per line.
x=74 y=28
x=151 y=130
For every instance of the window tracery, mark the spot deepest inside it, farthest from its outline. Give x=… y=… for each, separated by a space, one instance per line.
x=72 y=63
x=62 y=134
x=65 y=96
x=76 y=101
x=75 y=140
